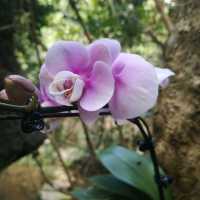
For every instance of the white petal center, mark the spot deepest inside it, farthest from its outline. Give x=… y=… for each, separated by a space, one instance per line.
x=66 y=87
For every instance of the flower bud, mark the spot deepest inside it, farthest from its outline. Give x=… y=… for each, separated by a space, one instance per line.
x=3 y=95
x=19 y=89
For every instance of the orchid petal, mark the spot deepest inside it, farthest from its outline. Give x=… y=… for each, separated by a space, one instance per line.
x=99 y=88
x=45 y=79
x=67 y=55
x=62 y=100
x=77 y=90
x=136 y=86
x=99 y=52
x=88 y=117
x=112 y=45
x=163 y=75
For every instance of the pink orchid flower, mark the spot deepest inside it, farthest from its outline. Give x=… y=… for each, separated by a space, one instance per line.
x=97 y=75
x=136 y=85
x=74 y=73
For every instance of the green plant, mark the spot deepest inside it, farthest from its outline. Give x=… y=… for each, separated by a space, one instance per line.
x=131 y=178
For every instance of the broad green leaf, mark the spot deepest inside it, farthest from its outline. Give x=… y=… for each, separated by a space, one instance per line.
x=111 y=184
x=131 y=168
x=94 y=193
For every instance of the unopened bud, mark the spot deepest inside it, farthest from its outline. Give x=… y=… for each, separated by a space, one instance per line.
x=19 y=89
x=3 y=95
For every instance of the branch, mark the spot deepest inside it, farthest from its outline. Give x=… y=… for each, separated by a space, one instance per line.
x=88 y=140
x=56 y=148
x=166 y=19
x=6 y=27
x=45 y=177
x=34 y=36
x=80 y=20
x=154 y=38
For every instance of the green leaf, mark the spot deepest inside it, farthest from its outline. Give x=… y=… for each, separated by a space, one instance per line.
x=111 y=184
x=133 y=169
x=94 y=193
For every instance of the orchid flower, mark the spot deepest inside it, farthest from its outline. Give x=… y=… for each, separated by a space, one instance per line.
x=95 y=75
x=74 y=73
x=136 y=85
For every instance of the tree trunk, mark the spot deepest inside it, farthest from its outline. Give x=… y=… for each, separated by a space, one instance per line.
x=13 y=143
x=177 y=123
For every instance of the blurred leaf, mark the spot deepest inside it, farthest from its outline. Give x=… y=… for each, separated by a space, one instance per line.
x=94 y=193
x=133 y=169
x=110 y=184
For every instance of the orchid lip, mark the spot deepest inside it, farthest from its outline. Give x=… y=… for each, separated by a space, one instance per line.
x=66 y=87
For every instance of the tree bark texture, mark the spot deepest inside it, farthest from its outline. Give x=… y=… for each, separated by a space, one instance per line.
x=13 y=143
x=177 y=122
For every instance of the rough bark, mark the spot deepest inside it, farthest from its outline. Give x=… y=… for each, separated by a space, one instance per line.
x=177 y=123
x=13 y=143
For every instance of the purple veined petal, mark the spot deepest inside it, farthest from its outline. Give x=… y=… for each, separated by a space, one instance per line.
x=113 y=46
x=88 y=117
x=100 y=53
x=77 y=90
x=67 y=55
x=65 y=75
x=45 y=79
x=99 y=88
x=136 y=87
x=163 y=75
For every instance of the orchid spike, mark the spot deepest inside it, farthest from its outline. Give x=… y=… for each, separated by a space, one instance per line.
x=98 y=74
x=78 y=74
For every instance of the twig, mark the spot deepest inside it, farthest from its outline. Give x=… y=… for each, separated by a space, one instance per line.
x=56 y=148
x=100 y=138
x=6 y=27
x=45 y=177
x=154 y=38
x=120 y=132
x=88 y=140
x=166 y=19
x=33 y=30
x=80 y=20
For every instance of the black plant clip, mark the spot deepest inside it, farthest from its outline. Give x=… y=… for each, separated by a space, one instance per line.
x=146 y=144
x=165 y=181
x=32 y=122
